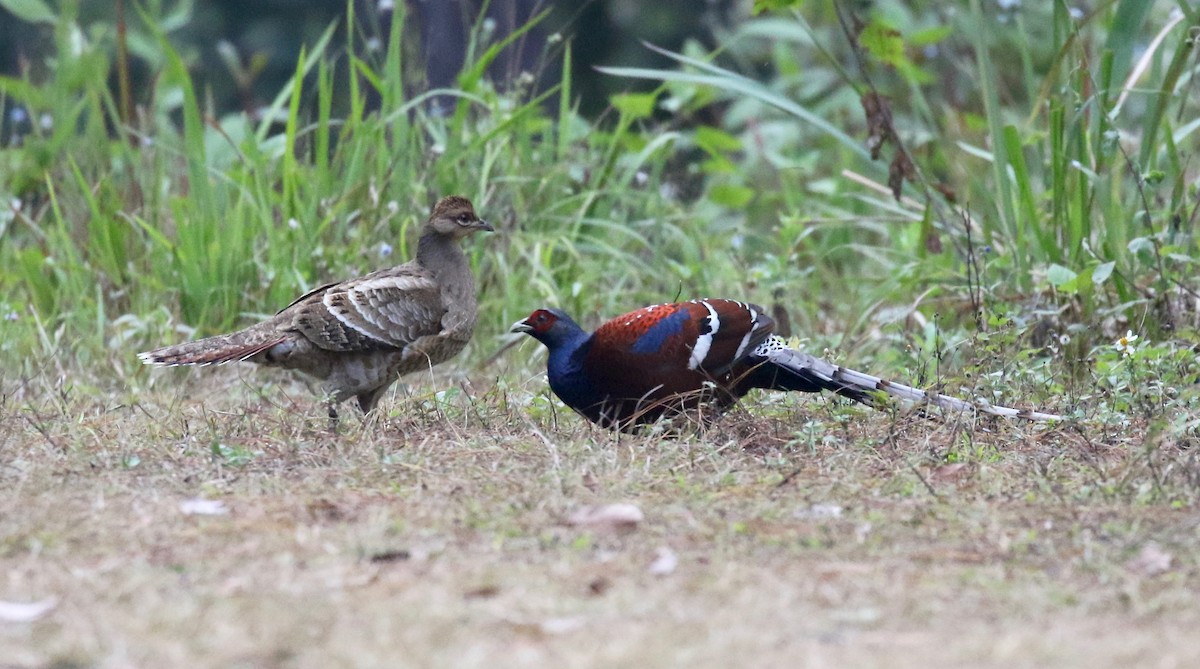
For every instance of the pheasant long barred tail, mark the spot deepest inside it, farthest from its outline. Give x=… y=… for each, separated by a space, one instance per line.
x=777 y=352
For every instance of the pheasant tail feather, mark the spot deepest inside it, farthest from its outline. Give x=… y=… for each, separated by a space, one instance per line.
x=857 y=385
x=214 y=350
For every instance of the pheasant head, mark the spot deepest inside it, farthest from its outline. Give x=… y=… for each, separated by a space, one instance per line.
x=455 y=217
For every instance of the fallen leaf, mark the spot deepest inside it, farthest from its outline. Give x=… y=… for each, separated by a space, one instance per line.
x=325 y=510
x=589 y=481
x=820 y=511
x=950 y=472
x=547 y=627
x=1152 y=560
x=26 y=612
x=391 y=556
x=482 y=592
x=599 y=585
x=613 y=517
x=203 y=507
x=665 y=562
x=562 y=625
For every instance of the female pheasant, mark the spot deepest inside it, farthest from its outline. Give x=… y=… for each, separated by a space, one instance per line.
x=359 y=335
x=669 y=359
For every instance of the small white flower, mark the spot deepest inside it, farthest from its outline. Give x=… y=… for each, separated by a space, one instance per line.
x=385 y=249
x=1125 y=344
x=293 y=224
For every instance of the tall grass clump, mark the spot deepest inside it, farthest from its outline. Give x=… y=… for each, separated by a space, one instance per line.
x=121 y=232
x=1048 y=150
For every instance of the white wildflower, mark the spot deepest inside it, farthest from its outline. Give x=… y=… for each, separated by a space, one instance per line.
x=1125 y=344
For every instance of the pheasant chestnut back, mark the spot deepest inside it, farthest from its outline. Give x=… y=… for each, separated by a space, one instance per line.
x=669 y=359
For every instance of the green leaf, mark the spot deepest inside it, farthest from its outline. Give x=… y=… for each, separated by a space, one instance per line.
x=887 y=46
x=929 y=35
x=716 y=141
x=1139 y=244
x=1102 y=272
x=718 y=165
x=731 y=195
x=634 y=105
x=761 y=6
x=730 y=83
x=883 y=42
x=33 y=11
x=1058 y=275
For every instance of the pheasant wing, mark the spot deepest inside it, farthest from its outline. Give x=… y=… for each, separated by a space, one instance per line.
x=386 y=309
x=728 y=331
x=704 y=336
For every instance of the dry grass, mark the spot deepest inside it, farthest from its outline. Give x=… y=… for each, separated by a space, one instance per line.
x=810 y=535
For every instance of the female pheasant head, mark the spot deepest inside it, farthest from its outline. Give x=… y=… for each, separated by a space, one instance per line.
x=454 y=217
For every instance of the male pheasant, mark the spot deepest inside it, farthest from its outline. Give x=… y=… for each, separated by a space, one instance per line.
x=669 y=359
x=360 y=335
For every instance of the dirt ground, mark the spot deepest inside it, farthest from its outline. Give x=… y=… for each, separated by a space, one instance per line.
x=229 y=529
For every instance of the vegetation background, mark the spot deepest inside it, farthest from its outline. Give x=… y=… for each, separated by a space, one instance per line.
x=991 y=197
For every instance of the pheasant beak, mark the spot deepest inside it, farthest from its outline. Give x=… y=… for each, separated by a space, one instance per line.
x=521 y=326
x=483 y=225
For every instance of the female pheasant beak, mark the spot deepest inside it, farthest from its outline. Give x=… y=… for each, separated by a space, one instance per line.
x=483 y=225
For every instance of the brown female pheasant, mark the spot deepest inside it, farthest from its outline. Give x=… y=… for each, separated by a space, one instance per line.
x=359 y=336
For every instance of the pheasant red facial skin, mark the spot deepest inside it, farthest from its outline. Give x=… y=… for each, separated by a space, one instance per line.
x=668 y=359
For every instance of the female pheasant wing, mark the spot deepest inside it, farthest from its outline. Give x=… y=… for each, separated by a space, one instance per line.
x=390 y=308
x=315 y=291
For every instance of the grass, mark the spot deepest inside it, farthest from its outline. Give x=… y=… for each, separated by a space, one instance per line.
x=438 y=534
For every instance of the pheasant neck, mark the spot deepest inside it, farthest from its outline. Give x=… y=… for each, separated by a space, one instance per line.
x=443 y=257
x=438 y=252
x=565 y=368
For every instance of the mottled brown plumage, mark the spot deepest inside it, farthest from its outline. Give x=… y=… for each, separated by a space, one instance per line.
x=359 y=336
